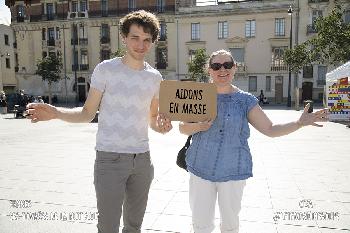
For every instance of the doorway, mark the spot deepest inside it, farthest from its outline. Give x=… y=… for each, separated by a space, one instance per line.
x=279 y=89
x=307 y=91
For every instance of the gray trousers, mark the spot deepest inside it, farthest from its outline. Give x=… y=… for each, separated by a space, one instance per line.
x=122 y=183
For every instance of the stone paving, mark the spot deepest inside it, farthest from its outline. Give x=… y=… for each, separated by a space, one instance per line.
x=300 y=184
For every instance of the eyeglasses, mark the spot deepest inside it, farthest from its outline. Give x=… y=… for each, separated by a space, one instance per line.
x=226 y=65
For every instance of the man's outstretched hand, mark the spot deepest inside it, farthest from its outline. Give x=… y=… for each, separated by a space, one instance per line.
x=41 y=112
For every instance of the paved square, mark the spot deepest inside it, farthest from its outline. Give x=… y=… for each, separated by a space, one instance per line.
x=300 y=184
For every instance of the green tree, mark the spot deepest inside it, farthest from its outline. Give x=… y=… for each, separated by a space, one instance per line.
x=119 y=53
x=197 y=67
x=49 y=68
x=331 y=45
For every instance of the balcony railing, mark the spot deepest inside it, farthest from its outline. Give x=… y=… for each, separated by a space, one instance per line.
x=105 y=40
x=84 y=66
x=162 y=38
x=321 y=82
x=20 y=19
x=51 y=42
x=161 y=65
x=74 y=41
x=48 y=17
x=83 y=41
x=311 y=28
x=279 y=68
x=75 y=67
x=318 y=1
x=123 y=11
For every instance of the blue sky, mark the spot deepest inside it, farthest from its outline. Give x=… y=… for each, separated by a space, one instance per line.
x=5 y=16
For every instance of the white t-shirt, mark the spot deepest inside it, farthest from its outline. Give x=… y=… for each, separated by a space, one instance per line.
x=124 y=110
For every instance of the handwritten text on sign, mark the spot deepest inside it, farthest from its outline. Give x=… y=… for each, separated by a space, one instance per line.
x=187 y=101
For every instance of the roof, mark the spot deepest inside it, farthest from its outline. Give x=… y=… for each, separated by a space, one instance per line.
x=340 y=72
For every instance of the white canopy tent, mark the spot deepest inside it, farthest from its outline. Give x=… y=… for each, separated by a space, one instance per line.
x=337 y=92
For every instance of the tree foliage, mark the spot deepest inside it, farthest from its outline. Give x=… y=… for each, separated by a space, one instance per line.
x=331 y=45
x=197 y=67
x=49 y=68
x=119 y=53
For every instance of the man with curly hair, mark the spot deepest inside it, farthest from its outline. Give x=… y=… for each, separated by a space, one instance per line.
x=125 y=90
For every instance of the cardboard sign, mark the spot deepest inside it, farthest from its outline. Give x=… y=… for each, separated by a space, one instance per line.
x=187 y=101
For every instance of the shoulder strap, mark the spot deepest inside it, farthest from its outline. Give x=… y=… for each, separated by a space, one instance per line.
x=188 y=141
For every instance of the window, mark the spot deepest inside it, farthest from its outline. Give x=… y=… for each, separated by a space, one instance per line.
x=131 y=5
x=252 y=83
x=268 y=84
x=105 y=31
x=191 y=54
x=105 y=54
x=49 y=11
x=43 y=34
x=44 y=54
x=104 y=8
x=277 y=56
x=162 y=31
x=6 y=37
x=75 y=60
x=308 y=71
x=58 y=35
x=51 y=33
x=347 y=16
x=84 y=57
x=8 y=63
x=161 y=56
x=21 y=11
x=82 y=33
x=315 y=15
x=74 y=6
x=83 y=6
x=195 y=31
x=161 y=5
x=238 y=55
x=279 y=27
x=250 y=28
x=322 y=71
x=105 y=34
x=222 y=30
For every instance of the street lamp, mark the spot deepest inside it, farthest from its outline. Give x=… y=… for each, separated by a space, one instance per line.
x=290 y=12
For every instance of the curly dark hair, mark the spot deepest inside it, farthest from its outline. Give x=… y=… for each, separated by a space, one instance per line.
x=147 y=20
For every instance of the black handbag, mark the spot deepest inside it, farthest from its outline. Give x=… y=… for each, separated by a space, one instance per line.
x=181 y=156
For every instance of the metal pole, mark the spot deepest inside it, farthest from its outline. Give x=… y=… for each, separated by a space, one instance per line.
x=177 y=50
x=65 y=64
x=75 y=65
x=289 y=101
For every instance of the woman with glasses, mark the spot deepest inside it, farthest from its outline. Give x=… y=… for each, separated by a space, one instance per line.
x=219 y=159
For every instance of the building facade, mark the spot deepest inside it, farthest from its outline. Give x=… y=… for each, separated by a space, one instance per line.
x=257 y=33
x=8 y=58
x=83 y=33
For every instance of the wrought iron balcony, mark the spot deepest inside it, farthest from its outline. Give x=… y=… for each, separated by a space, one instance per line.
x=75 y=67
x=74 y=41
x=51 y=42
x=279 y=68
x=162 y=38
x=83 y=41
x=84 y=66
x=318 y=1
x=105 y=40
x=161 y=65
